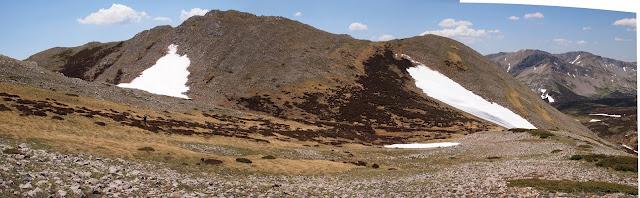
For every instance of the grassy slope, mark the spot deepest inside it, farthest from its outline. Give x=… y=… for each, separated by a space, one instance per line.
x=79 y=134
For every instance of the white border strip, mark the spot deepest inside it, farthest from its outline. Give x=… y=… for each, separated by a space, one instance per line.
x=614 y=5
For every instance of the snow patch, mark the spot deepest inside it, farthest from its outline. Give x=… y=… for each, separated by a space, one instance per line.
x=546 y=95
x=594 y=120
x=422 y=146
x=574 y=61
x=624 y=68
x=604 y=114
x=509 y=68
x=167 y=77
x=629 y=148
x=442 y=88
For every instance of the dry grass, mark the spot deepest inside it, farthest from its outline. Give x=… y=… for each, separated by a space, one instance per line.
x=544 y=114
x=78 y=134
x=514 y=99
x=453 y=57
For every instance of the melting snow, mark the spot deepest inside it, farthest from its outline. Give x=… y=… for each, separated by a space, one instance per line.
x=440 y=87
x=594 y=120
x=551 y=100
x=546 y=95
x=574 y=61
x=167 y=77
x=425 y=145
x=628 y=147
x=604 y=114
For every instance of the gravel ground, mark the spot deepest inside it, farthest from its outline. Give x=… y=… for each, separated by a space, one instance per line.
x=37 y=172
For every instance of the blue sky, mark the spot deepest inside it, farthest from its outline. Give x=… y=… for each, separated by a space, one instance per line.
x=32 y=26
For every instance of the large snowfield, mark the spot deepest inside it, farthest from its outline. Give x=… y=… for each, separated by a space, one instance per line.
x=442 y=88
x=167 y=77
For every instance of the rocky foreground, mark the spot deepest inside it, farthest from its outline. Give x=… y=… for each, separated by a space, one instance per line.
x=29 y=172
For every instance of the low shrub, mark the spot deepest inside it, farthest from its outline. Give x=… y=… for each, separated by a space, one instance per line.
x=211 y=161
x=568 y=186
x=359 y=163
x=619 y=163
x=11 y=151
x=147 y=148
x=541 y=133
x=244 y=160
x=584 y=146
x=576 y=157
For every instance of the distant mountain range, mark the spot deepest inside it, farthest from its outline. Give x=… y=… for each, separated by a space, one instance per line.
x=572 y=76
x=583 y=85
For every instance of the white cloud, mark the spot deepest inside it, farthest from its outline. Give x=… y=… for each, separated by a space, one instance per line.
x=461 y=30
x=385 y=37
x=184 y=15
x=566 y=42
x=535 y=15
x=116 y=14
x=162 y=19
x=357 y=26
x=628 y=22
x=458 y=31
x=514 y=18
x=587 y=28
x=453 y=23
x=562 y=41
x=619 y=39
x=297 y=14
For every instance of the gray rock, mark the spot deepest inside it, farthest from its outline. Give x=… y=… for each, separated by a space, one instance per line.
x=114 y=170
x=62 y=193
x=75 y=188
x=34 y=192
x=25 y=186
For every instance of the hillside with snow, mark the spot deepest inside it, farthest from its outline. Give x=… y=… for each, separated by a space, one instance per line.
x=442 y=88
